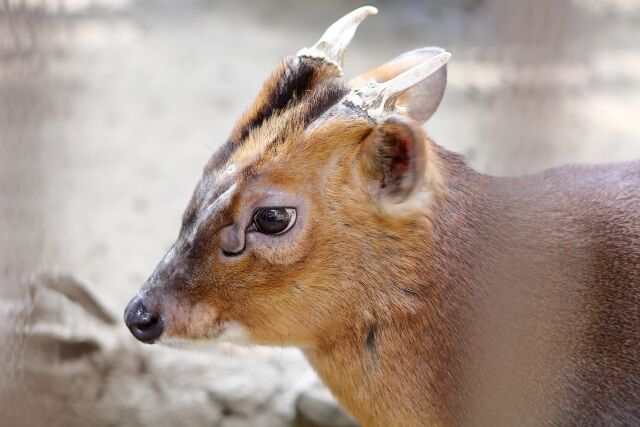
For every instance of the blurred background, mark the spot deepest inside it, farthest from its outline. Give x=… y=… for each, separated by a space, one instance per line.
x=109 y=110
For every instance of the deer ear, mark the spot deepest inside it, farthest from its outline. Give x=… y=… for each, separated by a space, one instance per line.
x=420 y=101
x=394 y=160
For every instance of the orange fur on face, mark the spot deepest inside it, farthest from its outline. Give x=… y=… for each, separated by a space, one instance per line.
x=391 y=288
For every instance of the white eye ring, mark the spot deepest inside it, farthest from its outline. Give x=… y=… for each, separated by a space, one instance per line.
x=292 y=219
x=261 y=215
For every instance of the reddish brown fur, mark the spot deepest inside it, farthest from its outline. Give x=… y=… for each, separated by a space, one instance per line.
x=501 y=301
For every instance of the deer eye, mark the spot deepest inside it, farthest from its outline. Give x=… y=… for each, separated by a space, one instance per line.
x=274 y=220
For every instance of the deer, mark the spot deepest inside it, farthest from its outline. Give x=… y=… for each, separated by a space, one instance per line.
x=421 y=291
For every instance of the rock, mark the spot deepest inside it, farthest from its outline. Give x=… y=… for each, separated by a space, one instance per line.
x=316 y=407
x=68 y=360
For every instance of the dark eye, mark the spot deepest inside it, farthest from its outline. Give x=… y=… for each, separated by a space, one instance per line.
x=274 y=220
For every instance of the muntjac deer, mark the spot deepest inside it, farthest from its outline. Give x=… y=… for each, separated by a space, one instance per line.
x=422 y=292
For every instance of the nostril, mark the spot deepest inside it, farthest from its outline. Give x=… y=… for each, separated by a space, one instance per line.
x=145 y=326
x=147 y=323
x=149 y=331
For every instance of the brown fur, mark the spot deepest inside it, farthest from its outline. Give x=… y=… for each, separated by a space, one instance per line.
x=498 y=301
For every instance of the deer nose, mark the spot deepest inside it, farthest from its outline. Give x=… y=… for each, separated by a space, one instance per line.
x=144 y=325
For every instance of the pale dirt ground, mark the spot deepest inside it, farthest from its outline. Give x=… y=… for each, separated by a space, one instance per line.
x=131 y=98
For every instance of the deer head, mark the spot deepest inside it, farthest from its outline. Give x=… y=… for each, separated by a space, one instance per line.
x=303 y=218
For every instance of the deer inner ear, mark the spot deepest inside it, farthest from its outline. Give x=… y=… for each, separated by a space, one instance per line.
x=395 y=158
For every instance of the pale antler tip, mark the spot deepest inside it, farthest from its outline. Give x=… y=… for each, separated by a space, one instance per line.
x=337 y=37
x=371 y=10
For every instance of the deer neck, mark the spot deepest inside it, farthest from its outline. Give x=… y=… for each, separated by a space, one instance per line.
x=412 y=351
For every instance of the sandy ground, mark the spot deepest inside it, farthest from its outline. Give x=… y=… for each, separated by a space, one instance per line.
x=106 y=134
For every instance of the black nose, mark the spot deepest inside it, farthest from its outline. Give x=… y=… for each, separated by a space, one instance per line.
x=145 y=326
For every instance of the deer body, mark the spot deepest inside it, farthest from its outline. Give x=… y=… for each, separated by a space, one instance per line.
x=557 y=255
x=422 y=292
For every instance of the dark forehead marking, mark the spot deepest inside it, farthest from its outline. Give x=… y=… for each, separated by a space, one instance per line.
x=321 y=99
x=289 y=85
x=317 y=102
x=286 y=87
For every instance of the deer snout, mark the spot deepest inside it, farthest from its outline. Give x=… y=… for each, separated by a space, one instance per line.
x=145 y=325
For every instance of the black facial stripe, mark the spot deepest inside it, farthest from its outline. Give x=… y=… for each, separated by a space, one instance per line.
x=290 y=89
x=221 y=157
x=293 y=88
x=189 y=219
x=200 y=202
x=321 y=100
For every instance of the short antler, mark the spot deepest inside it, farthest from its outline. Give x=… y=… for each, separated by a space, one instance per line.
x=336 y=38
x=380 y=98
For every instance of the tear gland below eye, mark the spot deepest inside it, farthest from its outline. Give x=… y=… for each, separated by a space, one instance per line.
x=274 y=220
